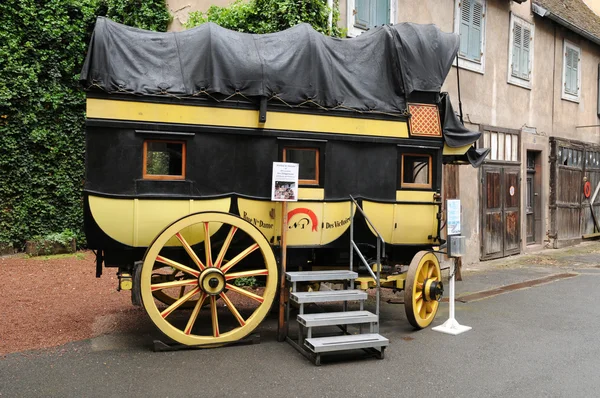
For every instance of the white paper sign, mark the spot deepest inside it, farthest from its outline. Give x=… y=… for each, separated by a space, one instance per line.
x=284 y=187
x=453 y=212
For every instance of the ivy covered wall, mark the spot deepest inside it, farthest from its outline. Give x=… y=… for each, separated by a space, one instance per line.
x=42 y=108
x=268 y=16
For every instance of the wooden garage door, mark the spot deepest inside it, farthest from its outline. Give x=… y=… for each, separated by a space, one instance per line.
x=500 y=229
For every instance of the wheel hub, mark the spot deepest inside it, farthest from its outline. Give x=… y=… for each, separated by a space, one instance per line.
x=433 y=291
x=212 y=281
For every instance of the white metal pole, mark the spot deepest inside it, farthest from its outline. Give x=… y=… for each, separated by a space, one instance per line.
x=451 y=326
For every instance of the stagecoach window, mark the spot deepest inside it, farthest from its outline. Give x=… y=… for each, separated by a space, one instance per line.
x=308 y=159
x=164 y=160
x=416 y=171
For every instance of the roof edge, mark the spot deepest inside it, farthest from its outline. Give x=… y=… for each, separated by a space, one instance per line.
x=544 y=13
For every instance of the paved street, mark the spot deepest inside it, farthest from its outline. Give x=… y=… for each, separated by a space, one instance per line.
x=536 y=342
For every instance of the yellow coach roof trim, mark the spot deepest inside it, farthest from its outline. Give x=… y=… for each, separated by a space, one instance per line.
x=227 y=117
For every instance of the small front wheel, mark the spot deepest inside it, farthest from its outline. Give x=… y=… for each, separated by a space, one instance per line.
x=423 y=289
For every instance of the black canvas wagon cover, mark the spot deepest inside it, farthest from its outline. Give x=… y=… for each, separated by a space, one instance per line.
x=371 y=72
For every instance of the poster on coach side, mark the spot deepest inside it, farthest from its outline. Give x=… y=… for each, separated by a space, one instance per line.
x=284 y=187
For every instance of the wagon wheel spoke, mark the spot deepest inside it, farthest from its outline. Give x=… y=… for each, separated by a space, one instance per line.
x=246 y=274
x=245 y=293
x=179 y=302
x=207 y=247
x=239 y=257
x=429 y=307
x=233 y=310
x=423 y=273
x=226 y=244
x=194 y=315
x=175 y=264
x=214 y=316
x=167 y=285
x=190 y=251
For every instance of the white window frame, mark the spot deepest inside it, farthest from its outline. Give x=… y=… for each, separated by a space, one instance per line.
x=525 y=83
x=465 y=63
x=565 y=95
x=353 y=31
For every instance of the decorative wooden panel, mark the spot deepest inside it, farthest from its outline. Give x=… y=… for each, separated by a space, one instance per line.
x=424 y=120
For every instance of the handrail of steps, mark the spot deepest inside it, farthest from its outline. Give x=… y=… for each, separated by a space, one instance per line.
x=380 y=249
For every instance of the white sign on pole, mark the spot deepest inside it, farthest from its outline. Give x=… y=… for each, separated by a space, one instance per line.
x=453 y=212
x=284 y=187
x=451 y=326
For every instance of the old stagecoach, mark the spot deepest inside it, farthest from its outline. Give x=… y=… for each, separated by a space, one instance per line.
x=181 y=135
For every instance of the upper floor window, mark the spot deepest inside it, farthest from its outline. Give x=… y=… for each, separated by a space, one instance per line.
x=308 y=159
x=469 y=23
x=520 y=58
x=164 y=160
x=571 y=72
x=366 y=14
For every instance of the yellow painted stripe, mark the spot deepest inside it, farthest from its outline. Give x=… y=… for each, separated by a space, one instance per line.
x=414 y=196
x=311 y=193
x=187 y=114
x=455 y=151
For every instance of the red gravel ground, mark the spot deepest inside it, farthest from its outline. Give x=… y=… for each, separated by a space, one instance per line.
x=49 y=301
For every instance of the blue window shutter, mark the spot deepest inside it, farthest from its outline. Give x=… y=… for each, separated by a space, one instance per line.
x=575 y=63
x=382 y=12
x=517 y=50
x=525 y=51
x=362 y=19
x=465 y=26
x=571 y=69
x=370 y=13
x=475 y=31
x=471 y=25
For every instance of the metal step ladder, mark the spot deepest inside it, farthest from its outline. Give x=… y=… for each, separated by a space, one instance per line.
x=312 y=347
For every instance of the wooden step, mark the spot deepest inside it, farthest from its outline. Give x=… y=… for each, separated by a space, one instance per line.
x=327 y=296
x=316 y=276
x=336 y=318
x=346 y=342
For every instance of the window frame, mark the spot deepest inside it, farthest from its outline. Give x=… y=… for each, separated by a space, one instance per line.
x=464 y=62
x=315 y=182
x=564 y=94
x=352 y=30
x=412 y=184
x=164 y=177
x=512 y=79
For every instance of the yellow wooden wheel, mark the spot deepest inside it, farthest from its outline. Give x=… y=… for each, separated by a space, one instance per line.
x=423 y=289
x=208 y=278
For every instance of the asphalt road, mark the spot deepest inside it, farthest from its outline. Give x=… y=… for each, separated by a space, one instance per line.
x=534 y=342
